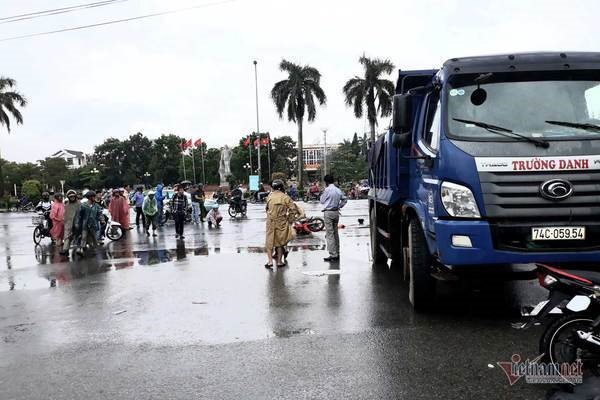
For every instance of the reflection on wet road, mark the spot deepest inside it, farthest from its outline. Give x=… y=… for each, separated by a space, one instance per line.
x=156 y=308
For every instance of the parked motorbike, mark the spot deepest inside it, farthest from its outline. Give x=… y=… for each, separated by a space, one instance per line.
x=237 y=207
x=220 y=197
x=571 y=314
x=41 y=230
x=304 y=226
x=312 y=196
x=259 y=197
x=23 y=208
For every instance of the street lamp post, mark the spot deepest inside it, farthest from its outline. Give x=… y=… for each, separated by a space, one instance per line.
x=324 y=151
x=257 y=120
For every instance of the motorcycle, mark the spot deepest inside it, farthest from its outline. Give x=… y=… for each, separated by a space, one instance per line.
x=237 y=207
x=312 y=196
x=41 y=230
x=304 y=226
x=114 y=230
x=220 y=197
x=572 y=314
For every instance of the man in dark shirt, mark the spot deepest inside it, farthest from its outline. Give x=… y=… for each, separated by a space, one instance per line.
x=179 y=205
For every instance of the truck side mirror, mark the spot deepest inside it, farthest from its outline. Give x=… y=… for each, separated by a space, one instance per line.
x=402 y=113
x=402 y=121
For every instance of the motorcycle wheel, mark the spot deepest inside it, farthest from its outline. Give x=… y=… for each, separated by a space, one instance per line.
x=316 y=224
x=114 y=233
x=232 y=212
x=37 y=235
x=559 y=343
x=244 y=210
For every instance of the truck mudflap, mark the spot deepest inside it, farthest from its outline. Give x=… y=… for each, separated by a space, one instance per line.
x=469 y=242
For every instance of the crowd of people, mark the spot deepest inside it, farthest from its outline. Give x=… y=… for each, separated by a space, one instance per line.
x=81 y=220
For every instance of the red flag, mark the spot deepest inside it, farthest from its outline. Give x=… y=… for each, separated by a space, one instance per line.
x=256 y=143
x=247 y=142
x=186 y=144
x=198 y=143
x=264 y=141
x=182 y=145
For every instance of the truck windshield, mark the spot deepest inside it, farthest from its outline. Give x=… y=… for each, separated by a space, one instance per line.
x=524 y=103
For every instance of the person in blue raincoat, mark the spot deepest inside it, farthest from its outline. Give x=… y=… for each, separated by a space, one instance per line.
x=160 y=198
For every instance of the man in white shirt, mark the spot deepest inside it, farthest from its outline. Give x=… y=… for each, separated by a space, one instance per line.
x=332 y=200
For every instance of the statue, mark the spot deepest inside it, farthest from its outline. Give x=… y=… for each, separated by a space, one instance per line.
x=224 y=165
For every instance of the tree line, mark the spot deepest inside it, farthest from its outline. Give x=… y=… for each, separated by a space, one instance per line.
x=138 y=158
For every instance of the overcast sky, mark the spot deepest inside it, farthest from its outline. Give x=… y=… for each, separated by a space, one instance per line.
x=191 y=73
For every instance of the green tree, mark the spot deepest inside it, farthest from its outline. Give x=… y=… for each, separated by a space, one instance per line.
x=165 y=163
x=211 y=166
x=138 y=153
x=10 y=102
x=297 y=93
x=347 y=165
x=372 y=88
x=53 y=171
x=33 y=190
x=282 y=154
x=109 y=157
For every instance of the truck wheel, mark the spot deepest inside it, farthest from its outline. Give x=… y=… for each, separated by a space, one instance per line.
x=378 y=255
x=421 y=283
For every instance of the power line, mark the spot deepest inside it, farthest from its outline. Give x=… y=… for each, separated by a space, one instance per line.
x=56 y=9
x=118 y=20
x=48 y=14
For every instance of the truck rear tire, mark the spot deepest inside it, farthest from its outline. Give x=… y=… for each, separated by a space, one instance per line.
x=421 y=284
x=378 y=255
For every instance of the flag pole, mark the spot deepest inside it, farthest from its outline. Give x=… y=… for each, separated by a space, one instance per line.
x=202 y=154
x=183 y=161
x=194 y=165
x=269 y=154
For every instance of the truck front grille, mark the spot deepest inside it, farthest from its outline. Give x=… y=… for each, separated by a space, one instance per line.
x=510 y=195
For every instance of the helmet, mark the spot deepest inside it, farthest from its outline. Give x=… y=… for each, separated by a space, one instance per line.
x=90 y=194
x=45 y=195
x=71 y=192
x=278 y=185
x=151 y=193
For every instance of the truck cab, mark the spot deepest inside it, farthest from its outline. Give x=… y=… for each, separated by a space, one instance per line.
x=489 y=161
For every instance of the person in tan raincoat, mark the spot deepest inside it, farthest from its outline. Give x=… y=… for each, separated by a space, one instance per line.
x=281 y=213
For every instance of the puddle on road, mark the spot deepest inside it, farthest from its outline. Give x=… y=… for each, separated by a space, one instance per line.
x=55 y=269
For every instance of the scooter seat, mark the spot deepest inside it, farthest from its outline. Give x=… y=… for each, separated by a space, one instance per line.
x=592 y=276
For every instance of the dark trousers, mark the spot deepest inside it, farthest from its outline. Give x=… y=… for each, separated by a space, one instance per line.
x=179 y=222
x=138 y=213
x=151 y=220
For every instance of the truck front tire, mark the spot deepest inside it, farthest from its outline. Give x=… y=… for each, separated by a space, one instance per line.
x=421 y=283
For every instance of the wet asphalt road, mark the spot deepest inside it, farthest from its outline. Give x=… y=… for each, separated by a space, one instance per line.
x=152 y=318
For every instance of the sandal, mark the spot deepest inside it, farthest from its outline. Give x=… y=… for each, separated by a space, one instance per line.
x=281 y=265
x=269 y=266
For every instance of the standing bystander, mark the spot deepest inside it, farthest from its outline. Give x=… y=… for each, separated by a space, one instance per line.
x=179 y=205
x=150 y=208
x=139 y=202
x=332 y=200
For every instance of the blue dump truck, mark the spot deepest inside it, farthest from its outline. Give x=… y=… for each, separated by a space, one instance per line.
x=489 y=161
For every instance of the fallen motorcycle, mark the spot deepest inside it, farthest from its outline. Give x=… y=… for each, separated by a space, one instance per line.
x=571 y=315
x=308 y=225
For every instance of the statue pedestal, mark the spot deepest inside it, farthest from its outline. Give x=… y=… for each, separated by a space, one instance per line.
x=224 y=183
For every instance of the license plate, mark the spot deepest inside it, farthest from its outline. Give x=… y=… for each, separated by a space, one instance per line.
x=558 y=233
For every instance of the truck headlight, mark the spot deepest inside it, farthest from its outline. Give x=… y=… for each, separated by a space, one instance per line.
x=459 y=201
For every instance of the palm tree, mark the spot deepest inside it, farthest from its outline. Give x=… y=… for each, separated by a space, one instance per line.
x=298 y=93
x=371 y=88
x=9 y=101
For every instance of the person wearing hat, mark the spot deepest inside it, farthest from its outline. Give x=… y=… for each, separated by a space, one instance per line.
x=150 y=209
x=89 y=215
x=71 y=220
x=281 y=212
